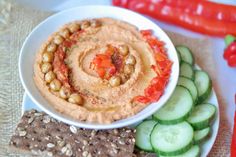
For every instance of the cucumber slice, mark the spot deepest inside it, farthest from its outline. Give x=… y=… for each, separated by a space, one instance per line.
x=189 y=84
x=201 y=116
x=142 y=136
x=185 y=54
x=186 y=70
x=194 y=151
x=203 y=84
x=177 y=108
x=172 y=139
x=201 y=135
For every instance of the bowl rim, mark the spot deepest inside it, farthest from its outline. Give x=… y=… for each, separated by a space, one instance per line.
x=125 y=122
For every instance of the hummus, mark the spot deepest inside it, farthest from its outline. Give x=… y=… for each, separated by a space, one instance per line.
x=85 y=73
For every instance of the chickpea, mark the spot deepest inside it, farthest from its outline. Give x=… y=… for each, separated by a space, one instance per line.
x=46 y=67
x=123 y=78
x=74 y=27
x=65 y=33
x=95 y=23
x=123 y=50
x=85 y=24
x=47 y=57
x=64 y=93
x=49 y=76
x=115 y=81
x=128 y=69
x=130 y=60
x=75 y=99
x=52 y=47
x=55 y=85
x=58 y=39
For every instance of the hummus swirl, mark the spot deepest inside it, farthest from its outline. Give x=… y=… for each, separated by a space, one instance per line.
x=102 y=103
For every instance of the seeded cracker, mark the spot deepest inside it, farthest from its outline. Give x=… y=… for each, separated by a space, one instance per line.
x=42 y=135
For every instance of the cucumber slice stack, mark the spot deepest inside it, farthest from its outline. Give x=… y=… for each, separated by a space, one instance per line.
x=186 y=117
x=201 y=79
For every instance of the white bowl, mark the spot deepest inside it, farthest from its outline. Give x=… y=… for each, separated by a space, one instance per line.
x=51 y=24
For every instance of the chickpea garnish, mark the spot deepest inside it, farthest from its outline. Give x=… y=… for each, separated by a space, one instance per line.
x=49 y=76
x=85 y=24
x=115 y=81
x=95 y=23
x=65 y=33
x=123 y=78
x=75 y=99
x=128 y=69
x=55 y=85
x=58 y=39
x=46 y=67
x=64 y=93
x=74 y=27
x=130 y=60
x=47 y=57
x=51 y=47
x=123 y=50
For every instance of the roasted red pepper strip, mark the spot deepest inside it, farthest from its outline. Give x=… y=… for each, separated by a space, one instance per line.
x=142 y=99
x=108 y=63
x=178 y=16
x=155 y=89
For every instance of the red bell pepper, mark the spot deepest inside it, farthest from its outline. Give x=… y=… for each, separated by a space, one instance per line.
x=233 y=144
x=232 y=61
x=179 y=16
x=230 y=53
x=230 y=50
x=207 y=9
x=121 y=3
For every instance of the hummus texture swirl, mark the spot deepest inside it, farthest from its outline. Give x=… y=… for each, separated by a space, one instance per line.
x=102 y=102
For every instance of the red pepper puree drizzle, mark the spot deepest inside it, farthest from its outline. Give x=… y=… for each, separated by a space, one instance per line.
x=155 y=89
x=59 y=66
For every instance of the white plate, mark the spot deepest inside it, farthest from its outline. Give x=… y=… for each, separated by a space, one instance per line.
x=97 y=11
x=28 y=104
x=51 y=24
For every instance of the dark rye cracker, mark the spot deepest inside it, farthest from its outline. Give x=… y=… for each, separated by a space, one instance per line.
x=42 y=135
x=140 y=153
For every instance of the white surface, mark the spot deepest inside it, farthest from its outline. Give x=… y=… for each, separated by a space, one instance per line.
x=224 y=74
x=48 y=26
x=226 y=79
